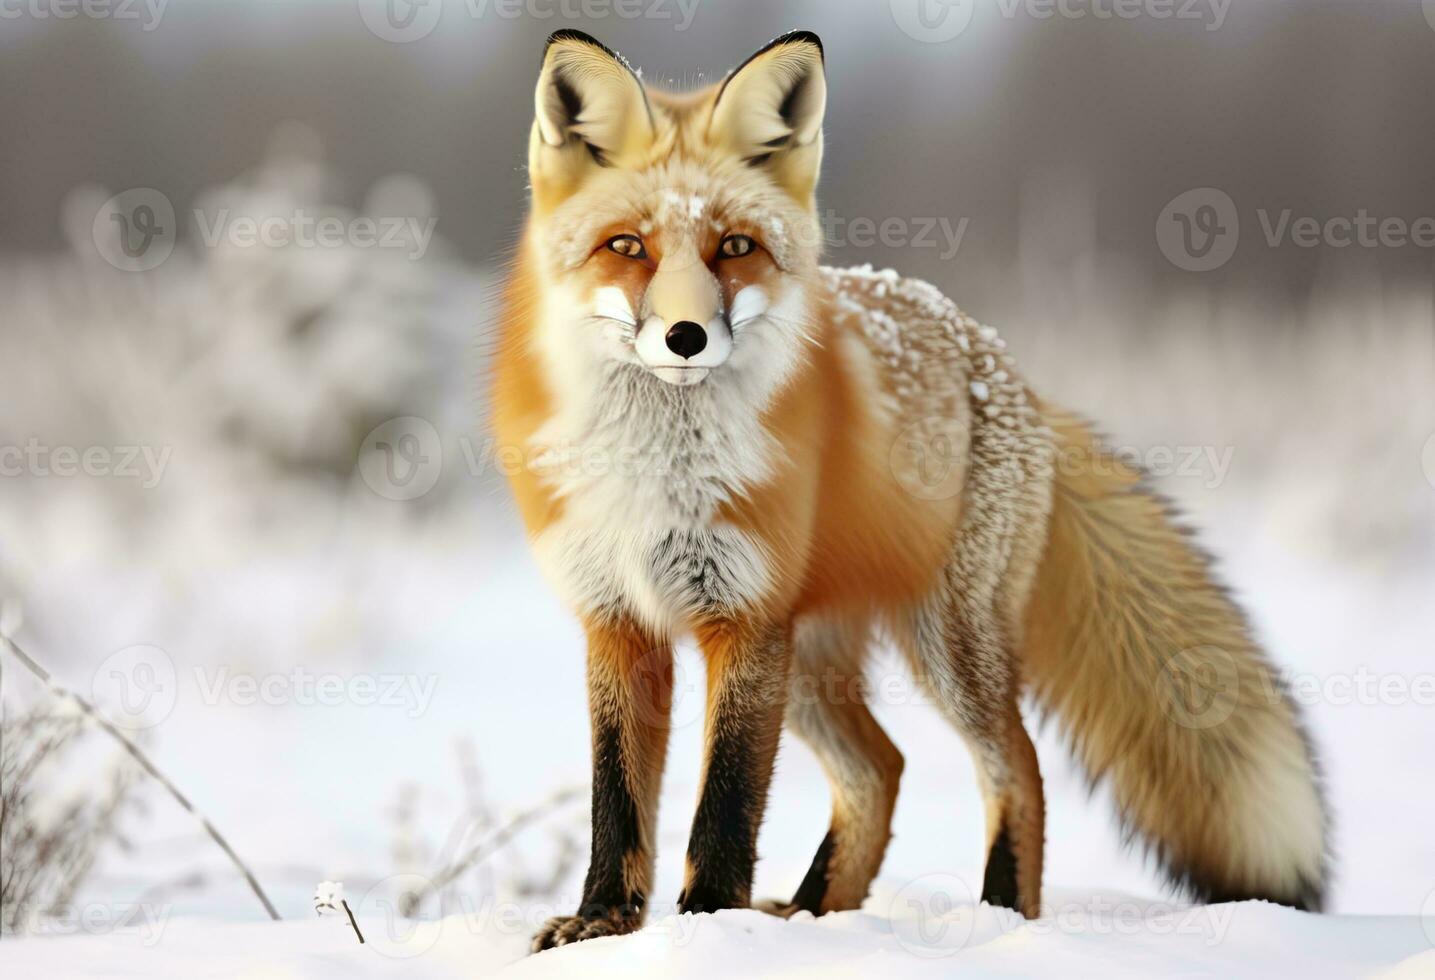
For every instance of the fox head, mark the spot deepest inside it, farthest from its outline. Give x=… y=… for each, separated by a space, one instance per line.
x=675 y=233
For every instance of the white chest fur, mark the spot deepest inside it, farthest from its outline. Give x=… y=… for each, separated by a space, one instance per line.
x=642 y=469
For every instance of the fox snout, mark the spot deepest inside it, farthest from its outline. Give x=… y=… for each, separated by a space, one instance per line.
x=685 y=332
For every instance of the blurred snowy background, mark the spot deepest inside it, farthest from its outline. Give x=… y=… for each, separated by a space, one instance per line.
x=248 y=503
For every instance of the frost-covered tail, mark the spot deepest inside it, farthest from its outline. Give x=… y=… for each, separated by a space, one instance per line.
x=1154 y=677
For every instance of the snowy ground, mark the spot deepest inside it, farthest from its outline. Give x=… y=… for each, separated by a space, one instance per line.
x=1116 y=939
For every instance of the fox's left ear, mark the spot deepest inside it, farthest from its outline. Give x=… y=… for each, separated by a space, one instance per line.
x=769 y=111
x=590 y=111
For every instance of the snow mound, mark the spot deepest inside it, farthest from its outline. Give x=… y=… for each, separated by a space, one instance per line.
x=1107 y=936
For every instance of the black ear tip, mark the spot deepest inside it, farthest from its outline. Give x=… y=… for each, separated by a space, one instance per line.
x=800 y=37
x=569 y=34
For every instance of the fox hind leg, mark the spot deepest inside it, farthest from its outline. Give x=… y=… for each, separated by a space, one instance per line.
x=1015 y=812
x=961 y=658
x=827 y=709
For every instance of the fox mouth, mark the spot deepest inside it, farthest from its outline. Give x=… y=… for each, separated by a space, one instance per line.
x=680 y=376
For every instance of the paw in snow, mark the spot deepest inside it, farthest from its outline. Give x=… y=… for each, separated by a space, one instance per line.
x=775 y=906
x=564 y=929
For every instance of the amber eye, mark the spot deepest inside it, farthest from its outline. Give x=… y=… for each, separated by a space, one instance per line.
x=630 y=246
x=736 y=246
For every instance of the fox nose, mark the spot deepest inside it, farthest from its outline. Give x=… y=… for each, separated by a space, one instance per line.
x=686 y=339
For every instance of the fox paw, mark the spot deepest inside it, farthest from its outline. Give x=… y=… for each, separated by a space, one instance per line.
x=564 y=929
x=775 y=906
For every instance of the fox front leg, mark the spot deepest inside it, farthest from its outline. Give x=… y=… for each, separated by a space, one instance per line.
x=630 y=683
x=748 y=668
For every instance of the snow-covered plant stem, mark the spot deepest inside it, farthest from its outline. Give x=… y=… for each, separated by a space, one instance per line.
x=329 y=897
x=30 y=664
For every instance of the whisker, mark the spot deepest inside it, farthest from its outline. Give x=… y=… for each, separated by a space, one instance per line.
x=802 y=327
x=613 y=319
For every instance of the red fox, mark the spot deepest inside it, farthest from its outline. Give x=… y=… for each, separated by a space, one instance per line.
x=730 y=442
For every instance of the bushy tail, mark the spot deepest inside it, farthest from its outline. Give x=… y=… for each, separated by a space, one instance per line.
x=1152 y=673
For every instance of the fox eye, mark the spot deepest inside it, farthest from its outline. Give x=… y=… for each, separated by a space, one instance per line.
x=630 y=246
x=736 y=246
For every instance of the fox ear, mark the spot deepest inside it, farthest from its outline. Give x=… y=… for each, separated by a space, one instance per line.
x=590 y=111
x=769 y=111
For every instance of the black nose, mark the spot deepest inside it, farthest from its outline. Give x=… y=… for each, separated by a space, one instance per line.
x=686 y=339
